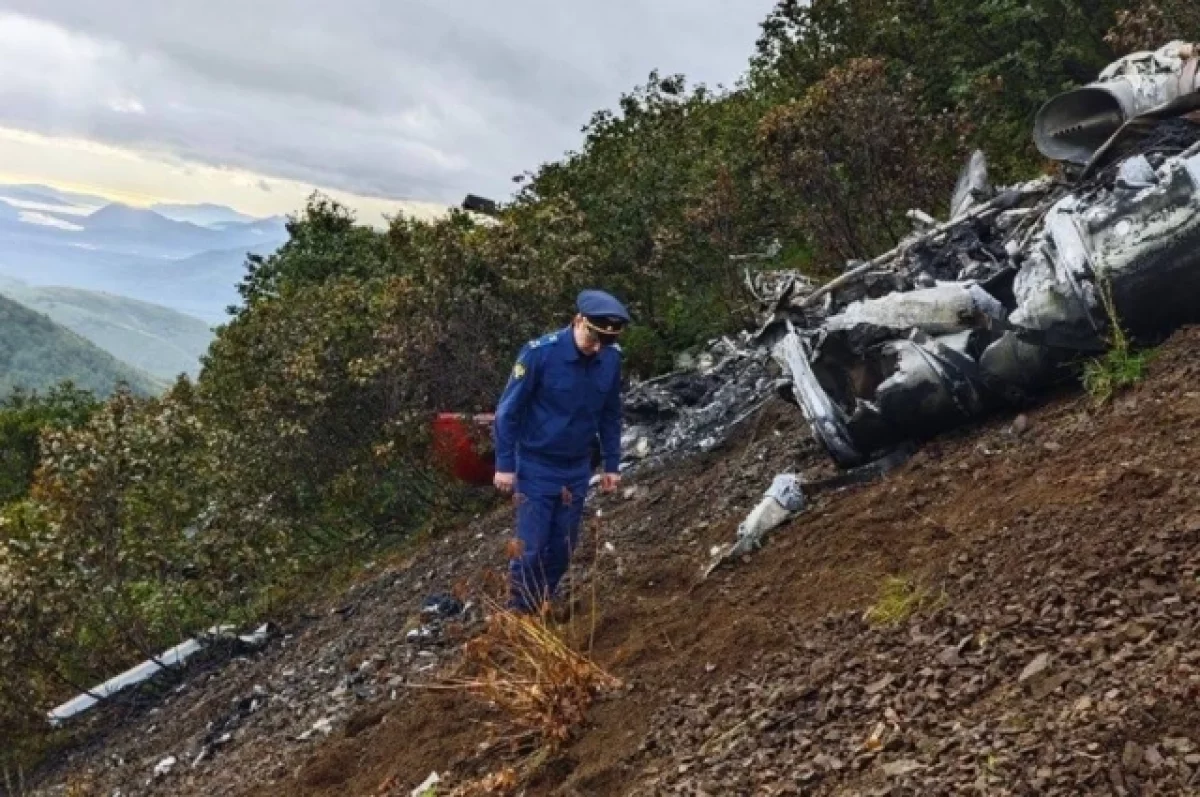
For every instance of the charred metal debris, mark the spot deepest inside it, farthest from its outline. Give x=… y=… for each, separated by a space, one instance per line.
x=982 y=311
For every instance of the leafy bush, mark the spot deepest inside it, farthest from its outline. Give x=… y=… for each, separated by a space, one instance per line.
x=855 y=153
x=993 y=63
x=666 y=189
x=1149 y=25
x=23 y=417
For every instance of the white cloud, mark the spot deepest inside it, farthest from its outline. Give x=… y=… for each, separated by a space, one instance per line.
x=128 y=105
x=140 y=179
x=388 y=98
x=34 y=217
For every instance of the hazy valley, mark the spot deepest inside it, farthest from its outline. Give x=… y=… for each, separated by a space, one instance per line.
x=144 y=285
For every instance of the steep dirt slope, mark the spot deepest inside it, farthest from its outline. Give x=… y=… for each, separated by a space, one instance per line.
x=1056 y=652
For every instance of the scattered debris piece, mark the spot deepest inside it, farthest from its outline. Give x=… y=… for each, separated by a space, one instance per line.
x=440 y=607
x=173 y=658
x=323 y=726
x=783 y=500
x=898 y=769
x=694 y=409
x=421 y=634
x=220 y=732
x=973 y=187
x=428 y=786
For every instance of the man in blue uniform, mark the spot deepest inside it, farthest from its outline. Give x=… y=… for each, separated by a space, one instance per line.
x=565 y=389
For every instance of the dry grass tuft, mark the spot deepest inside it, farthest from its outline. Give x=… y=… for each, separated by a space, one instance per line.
x=497 y=784
x=524 y=667
x=537 y=673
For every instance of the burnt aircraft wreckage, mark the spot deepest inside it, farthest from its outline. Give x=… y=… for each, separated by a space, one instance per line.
x=1024 y=282
x=977 y=313
x=985 y=310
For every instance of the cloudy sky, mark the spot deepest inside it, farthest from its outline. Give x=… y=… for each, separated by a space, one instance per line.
x=255 y=102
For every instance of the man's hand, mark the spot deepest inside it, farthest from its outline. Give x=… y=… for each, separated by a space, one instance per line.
x=504 y=482
x=610 y=482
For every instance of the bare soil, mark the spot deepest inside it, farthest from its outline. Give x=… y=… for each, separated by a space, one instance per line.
x=1056 y=651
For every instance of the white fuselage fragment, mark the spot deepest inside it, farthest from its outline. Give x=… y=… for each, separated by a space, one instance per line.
x=172 y=658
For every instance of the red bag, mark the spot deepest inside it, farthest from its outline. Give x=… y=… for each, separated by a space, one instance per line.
x=462 y=444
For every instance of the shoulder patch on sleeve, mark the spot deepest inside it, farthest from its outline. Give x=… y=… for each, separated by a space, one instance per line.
x=518 y=370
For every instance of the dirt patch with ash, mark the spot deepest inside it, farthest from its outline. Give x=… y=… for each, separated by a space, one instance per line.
x=1055 y=651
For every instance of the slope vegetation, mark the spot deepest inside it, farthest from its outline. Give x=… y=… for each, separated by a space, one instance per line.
x=1042 y=641
x=36 y=353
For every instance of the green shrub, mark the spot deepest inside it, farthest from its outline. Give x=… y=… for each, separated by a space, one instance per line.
x=23 y=417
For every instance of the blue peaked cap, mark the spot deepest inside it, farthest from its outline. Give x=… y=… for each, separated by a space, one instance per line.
x=601 y=305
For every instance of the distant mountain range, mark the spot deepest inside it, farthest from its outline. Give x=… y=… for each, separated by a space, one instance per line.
x=185 y=257
x=36 y=354
x=100 y=291
x=206 y=215
x=140 y=231
x=162 y=342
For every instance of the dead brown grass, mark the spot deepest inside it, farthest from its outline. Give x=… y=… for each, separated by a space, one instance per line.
x=498 y=784
x=527 y=669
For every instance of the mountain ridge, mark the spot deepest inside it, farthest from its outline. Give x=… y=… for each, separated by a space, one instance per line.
x=135 y=252
x=205 y=214
x=151 y=337
x=36 y=354
x=36 y=192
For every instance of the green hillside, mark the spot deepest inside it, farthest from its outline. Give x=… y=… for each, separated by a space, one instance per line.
x=162 y=342
x=36 y=353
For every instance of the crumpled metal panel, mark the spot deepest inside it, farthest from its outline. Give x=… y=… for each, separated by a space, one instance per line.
x=1057 y=302
x=1136 y=173
x=889 y=368
x=1141 y=237
x=935 y=383
x=943 y=309
x=972 y=187
x=1146 y=242
x=917 y=385
x=825 y=418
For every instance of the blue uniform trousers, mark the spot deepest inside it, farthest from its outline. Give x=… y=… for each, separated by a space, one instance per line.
x=550 y=501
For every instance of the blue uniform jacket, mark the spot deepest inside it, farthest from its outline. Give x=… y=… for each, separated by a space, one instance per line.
x=556 y=402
